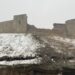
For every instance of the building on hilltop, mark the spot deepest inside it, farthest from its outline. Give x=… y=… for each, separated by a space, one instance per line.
x=19 y=25
x=70 y=25
x=67 y=29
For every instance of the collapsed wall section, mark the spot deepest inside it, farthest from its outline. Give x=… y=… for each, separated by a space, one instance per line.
x=59 y=29
x=37 y=31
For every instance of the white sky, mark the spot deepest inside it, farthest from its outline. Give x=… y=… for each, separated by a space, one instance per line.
x=41 y=13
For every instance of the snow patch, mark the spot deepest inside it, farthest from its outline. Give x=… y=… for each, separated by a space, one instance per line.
x=18 y=45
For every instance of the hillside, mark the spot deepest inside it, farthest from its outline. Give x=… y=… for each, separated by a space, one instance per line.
x=31 y=49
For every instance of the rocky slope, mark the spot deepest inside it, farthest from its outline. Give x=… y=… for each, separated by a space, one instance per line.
x=32 y=49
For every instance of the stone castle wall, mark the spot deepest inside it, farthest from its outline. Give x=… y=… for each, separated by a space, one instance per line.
x=7 y=26
x=59 y=29
x=40 y=32
x=70 y=25
x=18 y=25
x=67 y=29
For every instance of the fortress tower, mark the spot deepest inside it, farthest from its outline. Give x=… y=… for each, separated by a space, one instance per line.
x=20 y=22
x=70 y=25
x=17 y=25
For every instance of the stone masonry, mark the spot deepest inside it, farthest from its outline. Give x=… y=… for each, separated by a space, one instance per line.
x=67 y=29
x=19 y=25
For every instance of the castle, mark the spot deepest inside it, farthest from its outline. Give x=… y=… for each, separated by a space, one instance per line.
x=19 y=25
x=67 y=29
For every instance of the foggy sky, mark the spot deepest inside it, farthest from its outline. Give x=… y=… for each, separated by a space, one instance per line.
x=41 y=13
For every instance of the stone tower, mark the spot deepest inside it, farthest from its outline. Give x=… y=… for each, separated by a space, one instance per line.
x=20 y=21
x=70 y=25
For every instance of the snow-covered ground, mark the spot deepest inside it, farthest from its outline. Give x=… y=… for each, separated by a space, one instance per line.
x=65 y=40
x=25 y=45
x=18 y=45
x=16 y=62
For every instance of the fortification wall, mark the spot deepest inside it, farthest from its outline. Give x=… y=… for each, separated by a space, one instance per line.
x=20 y=22
x=67 y=29
x=59 y=29
x=17 y=25
x=40 y=32
x=58 y=26
x=7 y=26
x=70 y=25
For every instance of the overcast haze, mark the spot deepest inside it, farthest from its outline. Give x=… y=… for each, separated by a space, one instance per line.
x=41 y=13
